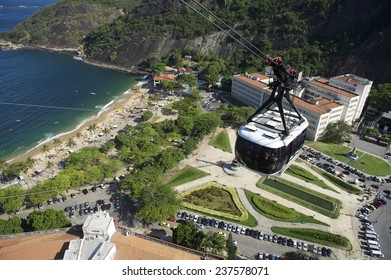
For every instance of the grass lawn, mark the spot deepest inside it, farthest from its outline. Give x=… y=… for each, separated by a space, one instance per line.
x=336 y=151
x=313 y=200
x=221 y=141
x=184 y=176
x=372 y=165
x=307 y=176
x=218 y=201
x=316 y=236
x=273 y=210
x=366 y=163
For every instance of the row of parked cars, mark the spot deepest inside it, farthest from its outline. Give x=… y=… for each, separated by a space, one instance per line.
x=371 y=238
x=365 y=210
x=332 y=163
x=85 y=208
x=202 y=221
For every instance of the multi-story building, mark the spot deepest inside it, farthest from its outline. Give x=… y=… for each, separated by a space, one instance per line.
x=320 y=101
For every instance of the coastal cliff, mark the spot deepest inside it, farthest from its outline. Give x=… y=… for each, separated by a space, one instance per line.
x=321 y=37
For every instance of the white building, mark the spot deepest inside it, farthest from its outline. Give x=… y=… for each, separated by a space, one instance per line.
x=95 y=245
x=320 y=101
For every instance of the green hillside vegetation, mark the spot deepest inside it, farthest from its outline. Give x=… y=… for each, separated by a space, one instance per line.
x=109 y=31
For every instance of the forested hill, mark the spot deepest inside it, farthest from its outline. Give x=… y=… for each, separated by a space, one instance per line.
x=325 y=37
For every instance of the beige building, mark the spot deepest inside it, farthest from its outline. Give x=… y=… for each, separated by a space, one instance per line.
x=320 y=101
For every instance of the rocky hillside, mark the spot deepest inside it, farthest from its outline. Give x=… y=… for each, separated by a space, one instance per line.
x=326 y=37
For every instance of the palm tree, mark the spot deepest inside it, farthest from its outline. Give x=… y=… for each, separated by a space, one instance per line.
x=50 y=166
x=30 y=162
x=92 y=128
x=79 y=135
x=71 y=142
x=56 y=142
x=213 y=243
x=45 y=149
x=106 y=132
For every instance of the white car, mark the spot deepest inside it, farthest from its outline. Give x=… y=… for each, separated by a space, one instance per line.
x=239 y=229
x=305 y=246
x=299 y=245
x=243 y=231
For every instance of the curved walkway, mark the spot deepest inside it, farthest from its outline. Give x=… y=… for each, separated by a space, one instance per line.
x=210 y=159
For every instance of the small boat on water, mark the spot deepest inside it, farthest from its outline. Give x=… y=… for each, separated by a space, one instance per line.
x=77 y=57
x=18 y=120
x=93 y=93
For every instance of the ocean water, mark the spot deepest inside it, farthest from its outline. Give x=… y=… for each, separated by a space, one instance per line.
x=43 y=94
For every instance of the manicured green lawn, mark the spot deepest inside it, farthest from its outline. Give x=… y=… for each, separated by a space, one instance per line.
x=333 y=150
x=307 y=176
x=372 y=165
x=316 y=236
x=184 y=176
x=306 y=197
x=275 y=211
x=221 y=141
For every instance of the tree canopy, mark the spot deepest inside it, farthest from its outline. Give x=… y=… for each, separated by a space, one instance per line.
x=48 y=219
x=380 y=97
x=337 y=132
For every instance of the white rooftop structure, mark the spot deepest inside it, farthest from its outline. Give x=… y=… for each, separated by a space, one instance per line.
x=95 y=245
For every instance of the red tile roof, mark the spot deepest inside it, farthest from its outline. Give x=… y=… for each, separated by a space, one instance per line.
x=323 y=83
x=161 y=77
x=323 y=106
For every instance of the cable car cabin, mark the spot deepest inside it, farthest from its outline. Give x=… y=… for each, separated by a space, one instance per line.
x=262 y=147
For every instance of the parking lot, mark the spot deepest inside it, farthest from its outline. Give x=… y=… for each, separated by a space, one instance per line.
x=251 y=243
x=77 y=205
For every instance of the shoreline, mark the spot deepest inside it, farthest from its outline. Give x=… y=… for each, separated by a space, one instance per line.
x=112 y=116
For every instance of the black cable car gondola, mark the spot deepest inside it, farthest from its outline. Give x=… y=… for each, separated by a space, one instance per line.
x=272 y=138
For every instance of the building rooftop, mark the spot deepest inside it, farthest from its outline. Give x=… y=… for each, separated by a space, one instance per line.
x=324 y=83
x=98 y=221
x=320 y=108
x=164 y=77
x=353 y=79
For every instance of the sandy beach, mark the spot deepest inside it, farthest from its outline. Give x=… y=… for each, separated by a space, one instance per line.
x=116 y=116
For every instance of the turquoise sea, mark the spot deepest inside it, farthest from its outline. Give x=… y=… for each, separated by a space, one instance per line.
x=43 y=94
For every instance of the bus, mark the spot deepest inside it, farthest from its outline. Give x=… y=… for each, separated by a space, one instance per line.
x=371 y=237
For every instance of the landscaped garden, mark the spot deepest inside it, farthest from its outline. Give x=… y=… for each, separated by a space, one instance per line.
x=185 y=175
x=313 y=200
x=316 y=236
x=221 y=141
x=275 y=211
x=307 y=176
x=219 y=201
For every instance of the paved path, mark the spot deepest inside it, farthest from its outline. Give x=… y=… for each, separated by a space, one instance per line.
x=210 y=160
